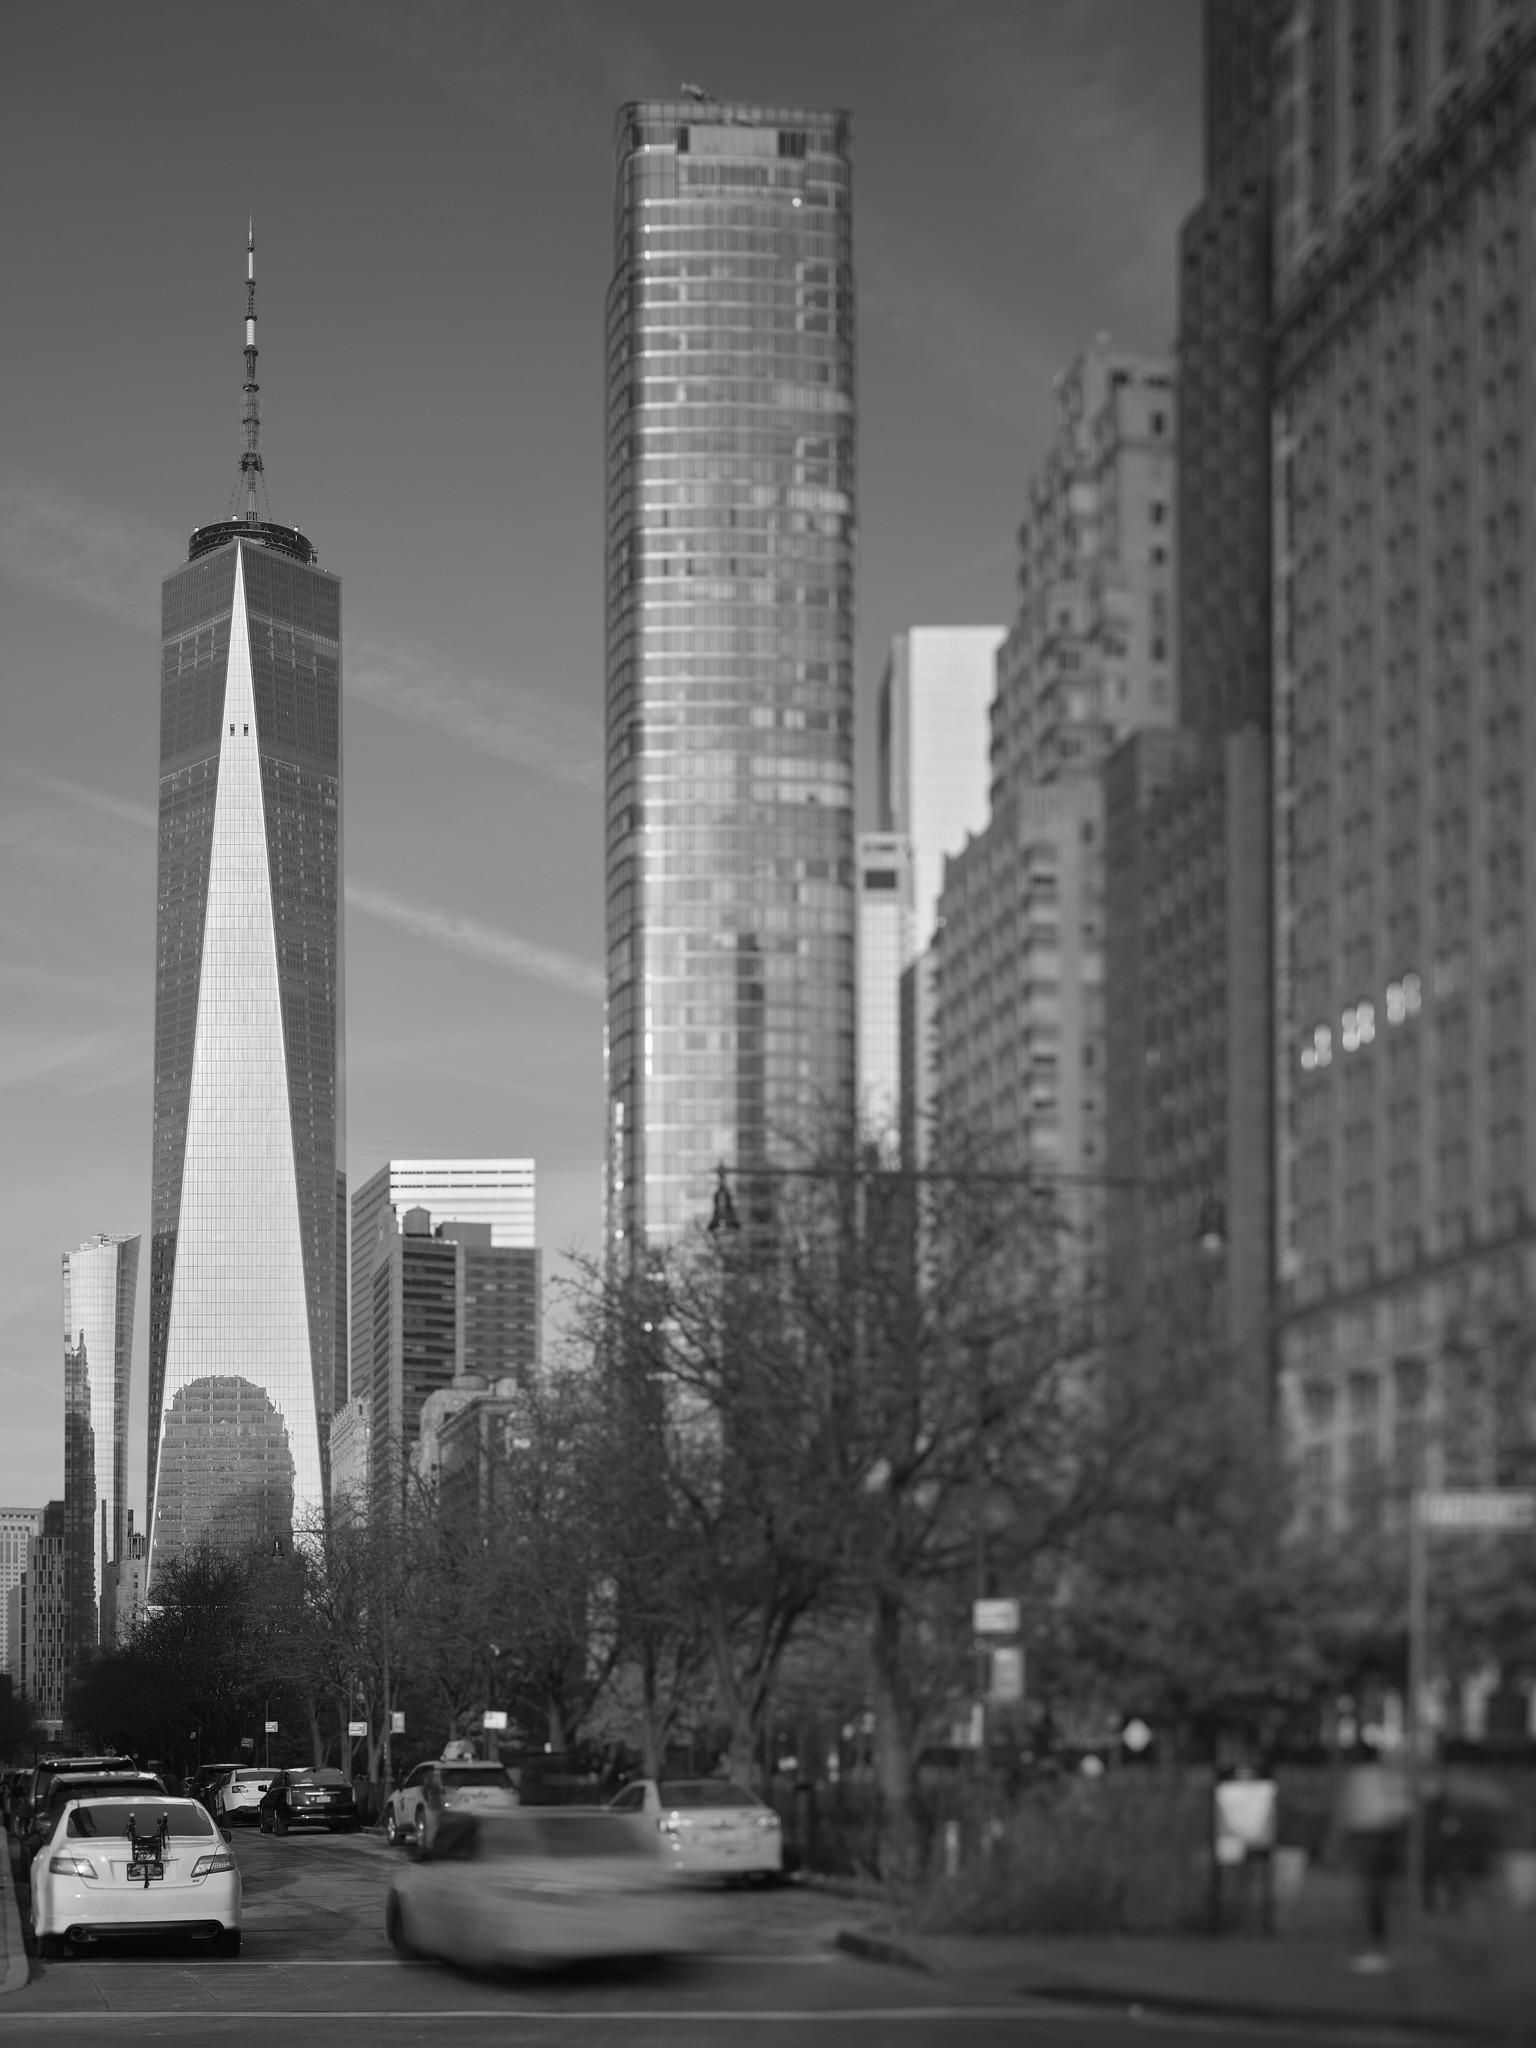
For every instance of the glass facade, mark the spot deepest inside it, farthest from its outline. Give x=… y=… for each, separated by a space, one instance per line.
x=730 y=544
x=100 y=1289
x=247 y=1272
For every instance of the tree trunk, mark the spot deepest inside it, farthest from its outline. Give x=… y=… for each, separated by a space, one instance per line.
x=900 y=1837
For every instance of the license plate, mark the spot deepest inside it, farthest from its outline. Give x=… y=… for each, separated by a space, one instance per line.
x=148 y=1871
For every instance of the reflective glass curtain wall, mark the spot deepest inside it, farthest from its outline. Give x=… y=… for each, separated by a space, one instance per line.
x=247 y=1275
x=100 y=1280
x=730 y=850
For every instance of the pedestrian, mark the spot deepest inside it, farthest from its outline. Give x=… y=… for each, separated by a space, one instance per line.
x=1373 y=1818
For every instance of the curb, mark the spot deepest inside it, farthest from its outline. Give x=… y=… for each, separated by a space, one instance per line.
x=880 y=1948
x=14 y=1976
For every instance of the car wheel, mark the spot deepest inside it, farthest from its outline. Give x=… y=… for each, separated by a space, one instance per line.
x=395 y=1929
x=52 y=1948
x=418 y=1832
x=227 y=1942
x=279 y=1821
x=391 y=1829
x=261 y=1822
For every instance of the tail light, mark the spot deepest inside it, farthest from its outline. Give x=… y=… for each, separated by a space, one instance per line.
x=72 y=1866
x=669 y=1824
x=205 y=1866
x=767 y=1820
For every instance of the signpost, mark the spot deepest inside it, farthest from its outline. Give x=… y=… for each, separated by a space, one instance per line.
x=1490 y=1510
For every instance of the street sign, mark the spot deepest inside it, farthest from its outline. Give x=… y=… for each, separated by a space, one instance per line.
x=1007 y=1686
x=247 y=1742
x=995 y=1617
x=271 y=1728
x=493 y=1717
x=397 y=1722
x=1489 y=1508
x=355 y=1728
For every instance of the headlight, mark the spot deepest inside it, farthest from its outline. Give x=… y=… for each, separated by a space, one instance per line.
x=72 y=1866
x=205 y=1866
x=767 y=1820
x=669 y=1824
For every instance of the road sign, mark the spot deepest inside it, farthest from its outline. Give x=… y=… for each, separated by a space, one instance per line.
x=1007 y=1680
x=271 y=1728
x=397 y=1722
x=355 y=1728
x=247 y=1742
x=1489 y=1508
x=995 y=1617
x=494 y=1717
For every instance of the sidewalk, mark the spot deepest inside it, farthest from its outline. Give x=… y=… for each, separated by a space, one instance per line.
x=13 y=1956
x=1452 y=1985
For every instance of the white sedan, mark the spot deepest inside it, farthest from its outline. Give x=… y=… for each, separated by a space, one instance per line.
x=710 y=1826
x=137 y=1865
x=239 y=1796
x=537 y=1887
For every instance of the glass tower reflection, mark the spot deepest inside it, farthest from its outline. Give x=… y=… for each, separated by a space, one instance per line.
x=730 y=538
x=247 y=1268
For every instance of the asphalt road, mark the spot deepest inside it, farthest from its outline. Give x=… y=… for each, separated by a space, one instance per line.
x=317 y=1972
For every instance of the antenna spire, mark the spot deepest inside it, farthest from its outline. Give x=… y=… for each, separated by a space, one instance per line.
x=250 y=411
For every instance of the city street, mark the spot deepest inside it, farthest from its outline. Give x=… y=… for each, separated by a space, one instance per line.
x=316 y=1972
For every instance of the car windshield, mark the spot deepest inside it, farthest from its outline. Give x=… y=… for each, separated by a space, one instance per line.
x=683 y=1794
x=183 y=1817
x=560 y=1834
x=309 y=1776
x=475 y=1774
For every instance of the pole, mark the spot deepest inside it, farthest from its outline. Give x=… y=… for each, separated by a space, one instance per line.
x=1418 y=1631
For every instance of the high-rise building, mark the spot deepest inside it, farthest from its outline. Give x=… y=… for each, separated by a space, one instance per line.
x=446 y=1302
x=247 y=1313
x=498 y=1192
x=17 y=1528
x=1187 y=844
x=884 y=953
x=100 y=1287
x=730 y=559
x=124 y=1600
x=934 y=739
x=46 y=1659
x=1018 y=1016
x=1405 y=631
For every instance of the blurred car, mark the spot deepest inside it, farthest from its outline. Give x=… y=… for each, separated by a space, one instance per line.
x=67 y=1785
x=238 y=1794
x=134 y=1865
x=537 y=1887
x=445 y=1785
x=710 y=1826
x=10 y=1793
x=307 y=1797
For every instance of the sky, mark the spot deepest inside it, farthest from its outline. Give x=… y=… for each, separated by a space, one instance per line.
x=432 y=195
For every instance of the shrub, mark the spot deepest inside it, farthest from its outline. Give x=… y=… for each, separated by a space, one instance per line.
x=1125 y=1854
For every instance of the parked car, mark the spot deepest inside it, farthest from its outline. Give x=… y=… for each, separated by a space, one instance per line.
x=11 y=1787
x=445 y=1785
x=145 y=1864
x=238 y=1794
x=708 y=1825
x=38 y=1778
x=304 y=1796
x=67 y=1785
x=537 y=1887
x=205 y=1782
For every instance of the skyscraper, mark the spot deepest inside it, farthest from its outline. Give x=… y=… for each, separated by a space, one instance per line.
x=17 y=1528
x=1405 y=777
x=100 y=1287
x=730 y=545
x=885 y=952
x=247 y=1293
x=498 y=1192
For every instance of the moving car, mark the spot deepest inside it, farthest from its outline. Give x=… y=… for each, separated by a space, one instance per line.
x=537 y=1887
x=710 y=1826
x=238 y=1795
x=132 y=1865
x=445 y=1785
x=305 y=1796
